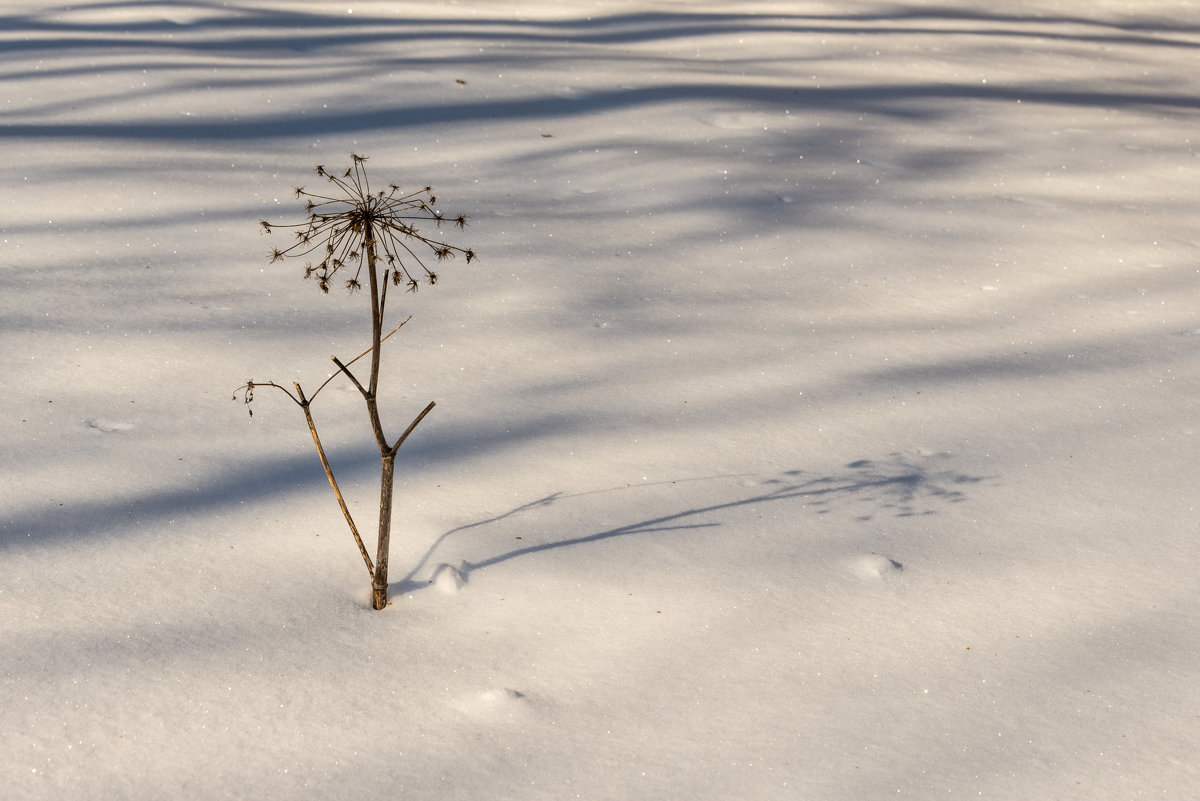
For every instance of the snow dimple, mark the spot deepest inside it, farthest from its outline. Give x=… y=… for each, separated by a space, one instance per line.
x=496 y=704
x=741 y=120
x=874 y=567
x=108 y=426
x=449 y=579
x=571 y=93
x=502 y=697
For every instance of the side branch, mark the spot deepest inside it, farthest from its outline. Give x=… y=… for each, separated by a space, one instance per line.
x=248 y=389
x=346 y=370
x=356 y=358
x=411 y=426
x=312 y=427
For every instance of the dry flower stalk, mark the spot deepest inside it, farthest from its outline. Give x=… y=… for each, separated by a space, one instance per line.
x=355 y=230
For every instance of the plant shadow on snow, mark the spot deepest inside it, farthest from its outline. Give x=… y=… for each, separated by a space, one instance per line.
x=897 y=486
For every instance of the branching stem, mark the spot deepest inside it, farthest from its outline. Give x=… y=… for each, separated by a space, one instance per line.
x=356 y=358
x=355 y=229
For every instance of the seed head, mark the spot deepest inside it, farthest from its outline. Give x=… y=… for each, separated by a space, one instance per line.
x=356 y=227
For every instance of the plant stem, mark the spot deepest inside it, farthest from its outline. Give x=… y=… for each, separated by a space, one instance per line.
x=387 y=484
x=387 y=453
x=379 y=583
x=413 y=425
x=312 y=427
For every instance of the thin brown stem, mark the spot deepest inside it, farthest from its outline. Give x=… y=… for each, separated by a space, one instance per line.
x=376 y=341
x=312 y=427
x=413 y=425
x=356 y=358
x=343 y=368
x=382 y=299
x=250 y=385
x=376 y=310
x=379 y=582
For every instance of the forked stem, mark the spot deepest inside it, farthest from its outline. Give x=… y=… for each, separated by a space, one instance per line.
x=357 y=229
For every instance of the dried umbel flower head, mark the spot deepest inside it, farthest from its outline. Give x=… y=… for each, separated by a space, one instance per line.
x=353 y=226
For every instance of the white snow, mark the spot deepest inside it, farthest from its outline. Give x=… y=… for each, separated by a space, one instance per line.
x=818 y=422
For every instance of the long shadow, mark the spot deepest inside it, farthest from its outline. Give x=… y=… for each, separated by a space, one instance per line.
x=896 y=486
x=247 y=482
x=902 y=101
x=300 y=32
x=341 y=29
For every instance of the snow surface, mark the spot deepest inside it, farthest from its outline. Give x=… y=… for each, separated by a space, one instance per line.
x=818 y=422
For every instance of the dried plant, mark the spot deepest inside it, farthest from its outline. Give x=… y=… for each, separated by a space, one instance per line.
x=372 y=234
